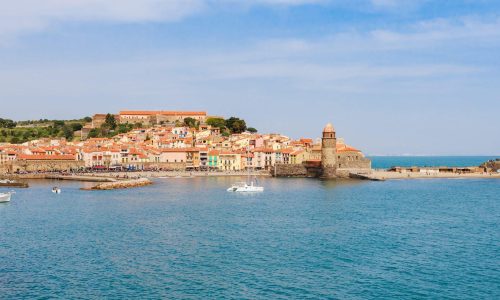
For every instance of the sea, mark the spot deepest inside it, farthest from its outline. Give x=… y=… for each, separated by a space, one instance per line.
x=187 y=238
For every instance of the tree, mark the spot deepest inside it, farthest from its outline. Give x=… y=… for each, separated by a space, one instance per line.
x=68 y=132
x=236 y=125
x=87 y=119
x=58 y=123
x=110 y=121
x=124 y=128
x=7 y=123
x=76 y=126
x=190 y=122
x=93 y=133
x=27 y=135
x=251 y=129
x=216 y=122
x=14 y=140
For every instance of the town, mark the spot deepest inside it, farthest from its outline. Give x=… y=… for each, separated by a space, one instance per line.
x=167 y=141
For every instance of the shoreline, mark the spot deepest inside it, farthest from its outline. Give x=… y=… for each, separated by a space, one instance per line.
x=120 y=176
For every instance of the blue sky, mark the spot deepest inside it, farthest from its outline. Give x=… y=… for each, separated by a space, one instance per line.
x=393 y=76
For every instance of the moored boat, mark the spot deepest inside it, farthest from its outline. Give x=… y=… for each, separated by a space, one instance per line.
x=242 y=187
x=5 y=197
x=12 y=183
x=245 y=187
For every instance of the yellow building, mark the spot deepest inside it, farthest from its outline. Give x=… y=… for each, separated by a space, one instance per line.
x=229 y=161
x=298 y=157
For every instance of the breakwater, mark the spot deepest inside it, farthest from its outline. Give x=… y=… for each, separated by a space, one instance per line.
x=122 y=184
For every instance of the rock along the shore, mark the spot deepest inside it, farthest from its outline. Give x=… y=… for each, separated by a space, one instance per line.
x=124 y=184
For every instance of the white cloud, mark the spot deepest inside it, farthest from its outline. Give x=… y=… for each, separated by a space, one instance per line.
x=24 y=16
x=34 y=15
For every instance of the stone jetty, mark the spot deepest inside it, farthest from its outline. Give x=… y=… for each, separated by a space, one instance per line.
x=122 y=184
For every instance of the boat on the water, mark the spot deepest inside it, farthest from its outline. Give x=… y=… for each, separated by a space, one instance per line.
x=12 y=183
x=246 y=187
x=56 y=190
x=242 y=187
x=5 y=197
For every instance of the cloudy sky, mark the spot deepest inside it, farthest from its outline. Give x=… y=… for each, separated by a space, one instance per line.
x=393 y=76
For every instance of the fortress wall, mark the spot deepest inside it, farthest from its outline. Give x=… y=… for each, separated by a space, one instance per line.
x=286 y=170
x=353 y=160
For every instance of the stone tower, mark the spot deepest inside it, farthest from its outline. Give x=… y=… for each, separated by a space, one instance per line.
x=329 y=152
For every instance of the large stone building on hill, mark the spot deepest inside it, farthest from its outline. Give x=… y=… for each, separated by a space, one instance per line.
x=159 y=117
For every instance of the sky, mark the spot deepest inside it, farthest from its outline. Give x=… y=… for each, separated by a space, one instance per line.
x=395 y=77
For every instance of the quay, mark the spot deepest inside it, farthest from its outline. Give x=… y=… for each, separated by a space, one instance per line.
x=80 y=178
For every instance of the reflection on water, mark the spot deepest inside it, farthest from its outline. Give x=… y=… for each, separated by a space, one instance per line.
x=337 y=183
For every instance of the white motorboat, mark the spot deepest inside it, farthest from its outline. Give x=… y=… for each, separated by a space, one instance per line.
x=5 y=197
x=56 y=190
x=243 y=187
x=246 y=187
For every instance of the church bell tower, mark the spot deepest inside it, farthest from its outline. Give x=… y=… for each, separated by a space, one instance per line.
x=329 y=152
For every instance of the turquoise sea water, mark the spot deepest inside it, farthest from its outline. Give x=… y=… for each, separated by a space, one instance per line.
x=384 y=162
x=302 y=238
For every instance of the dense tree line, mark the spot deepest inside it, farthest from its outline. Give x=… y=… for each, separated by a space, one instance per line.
x=6 y=123
x=111 y=128
x=23 y=131
x=231 y=125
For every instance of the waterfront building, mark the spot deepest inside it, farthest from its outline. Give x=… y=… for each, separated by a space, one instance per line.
x=230 y=161
x=213 y=159
x=265 y=158
x=298 y=156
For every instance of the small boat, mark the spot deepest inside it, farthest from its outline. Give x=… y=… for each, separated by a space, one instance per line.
x=243 y=187
x=12 y=183
x=5 y=197
x=56 y=190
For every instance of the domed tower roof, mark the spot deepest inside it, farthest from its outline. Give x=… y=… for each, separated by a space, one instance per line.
x=329 y=128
